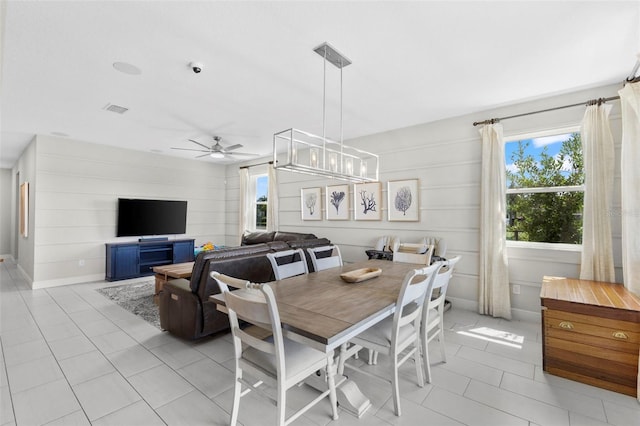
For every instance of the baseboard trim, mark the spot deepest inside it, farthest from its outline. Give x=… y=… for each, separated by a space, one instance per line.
x=516 y=314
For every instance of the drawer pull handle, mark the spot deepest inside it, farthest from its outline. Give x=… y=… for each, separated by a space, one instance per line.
x=620 y=335
x=566 y=325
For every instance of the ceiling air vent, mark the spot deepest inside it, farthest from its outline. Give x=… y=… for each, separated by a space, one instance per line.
x=116 y=108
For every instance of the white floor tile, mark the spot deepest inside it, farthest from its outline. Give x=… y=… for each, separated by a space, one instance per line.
x=622 y=415
x=84 y=367
x=25 y=352
x=195 y=409
x=133 y=360
x=77 y=418
x=72 y=346
x=572 y=401
x=43 y=404
x=498 y=362
x=177 y=354
x=518 y=405
x=208 y=376
x=104 y=395
x=138 y=413
x=113 y=342
x=160 y=385
x=27 y=375
x=473 y=370
x=469 y=412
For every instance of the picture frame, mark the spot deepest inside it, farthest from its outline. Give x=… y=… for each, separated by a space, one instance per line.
x=24 y=209
x=367 y=201
x=403 y=200
x=311 y=203
x=337 y=202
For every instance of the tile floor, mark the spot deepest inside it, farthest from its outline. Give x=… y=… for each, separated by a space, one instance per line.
x=69 y=356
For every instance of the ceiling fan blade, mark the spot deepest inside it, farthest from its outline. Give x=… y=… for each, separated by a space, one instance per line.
x=242 y=153
x=202 y=145
x=232 y=147
x=190 y=149
x=203 y=155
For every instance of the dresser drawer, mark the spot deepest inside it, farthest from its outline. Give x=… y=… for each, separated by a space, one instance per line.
x=592 y=330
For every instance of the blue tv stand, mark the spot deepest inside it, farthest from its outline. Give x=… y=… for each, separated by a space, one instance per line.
x=137 y=259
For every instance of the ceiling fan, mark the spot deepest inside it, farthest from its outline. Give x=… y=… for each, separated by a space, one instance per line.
x=216 y=150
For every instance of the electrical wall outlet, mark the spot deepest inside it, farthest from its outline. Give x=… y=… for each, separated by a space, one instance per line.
x=515 y=289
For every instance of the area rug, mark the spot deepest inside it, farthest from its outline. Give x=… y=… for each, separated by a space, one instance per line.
x=136 y=298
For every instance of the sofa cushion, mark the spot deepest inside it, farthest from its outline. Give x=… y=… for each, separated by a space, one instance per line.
x=290 y=236
x=249 y=238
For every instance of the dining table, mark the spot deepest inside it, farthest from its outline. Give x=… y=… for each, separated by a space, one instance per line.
x=322 y=310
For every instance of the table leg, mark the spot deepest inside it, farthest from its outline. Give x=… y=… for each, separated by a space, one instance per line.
x=349 y=395
x=161 y=280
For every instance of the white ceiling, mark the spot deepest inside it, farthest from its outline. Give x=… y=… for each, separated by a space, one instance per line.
x=413 y=62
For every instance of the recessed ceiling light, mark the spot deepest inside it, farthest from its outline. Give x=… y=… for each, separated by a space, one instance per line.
x=127 y=68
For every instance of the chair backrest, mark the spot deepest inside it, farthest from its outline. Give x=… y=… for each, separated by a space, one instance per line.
x=321 y=262
x=288 y=263
x=439 y=244
x=413 y=290
x=413 y=253
x=438 y=288
x=255 y=305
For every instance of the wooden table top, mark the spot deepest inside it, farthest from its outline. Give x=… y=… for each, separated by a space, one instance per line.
x=175 y=270
x=327 y=310
x=587 y=292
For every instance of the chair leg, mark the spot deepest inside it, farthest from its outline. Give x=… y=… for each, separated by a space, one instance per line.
x=417 y=359
x=441 y=340
x=425 y=357
x=396 y=386
x=282 y=406
x=237 y=393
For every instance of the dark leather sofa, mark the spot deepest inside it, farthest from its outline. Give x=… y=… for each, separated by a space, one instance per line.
x=185 y=309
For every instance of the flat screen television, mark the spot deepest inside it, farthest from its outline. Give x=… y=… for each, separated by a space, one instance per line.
x=137 y=217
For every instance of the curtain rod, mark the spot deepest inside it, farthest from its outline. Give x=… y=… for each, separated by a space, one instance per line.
x=254 y=165
x=598 y=101
x=631 y=79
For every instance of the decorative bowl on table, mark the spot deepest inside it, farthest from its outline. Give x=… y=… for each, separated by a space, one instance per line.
x=359 y=275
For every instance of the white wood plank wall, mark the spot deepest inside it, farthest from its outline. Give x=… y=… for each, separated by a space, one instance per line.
x=446 y=158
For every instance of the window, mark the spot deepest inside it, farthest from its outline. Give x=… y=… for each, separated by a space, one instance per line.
x=545 y=187
x=260 y=187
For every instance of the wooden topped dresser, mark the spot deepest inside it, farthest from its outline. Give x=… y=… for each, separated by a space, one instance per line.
x=591 y=333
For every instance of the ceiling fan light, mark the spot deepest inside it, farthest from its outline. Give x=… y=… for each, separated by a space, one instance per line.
x=217 y=155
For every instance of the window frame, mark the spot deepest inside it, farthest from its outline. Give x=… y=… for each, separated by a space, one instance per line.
x=546 y=189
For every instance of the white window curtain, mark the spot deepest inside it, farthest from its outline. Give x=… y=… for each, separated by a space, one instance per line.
x=630 y=182
x=272 y=200
x=493 y=296
x=598 y=154
x=243 y=207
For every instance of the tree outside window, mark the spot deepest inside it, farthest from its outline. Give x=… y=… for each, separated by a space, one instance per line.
x=545 y=188
x=262 y=185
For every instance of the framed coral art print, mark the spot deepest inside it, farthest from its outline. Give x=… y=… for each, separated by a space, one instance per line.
x=403 y=201
x=367 y=201
x=311 y=204
x=337 y=202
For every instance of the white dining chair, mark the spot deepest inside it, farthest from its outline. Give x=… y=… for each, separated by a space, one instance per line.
x=413 y=253
x=432 y=324
x=322 y=262
x=288 y=263
x=276 y=361
x=439 y=245
x=395 y=334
